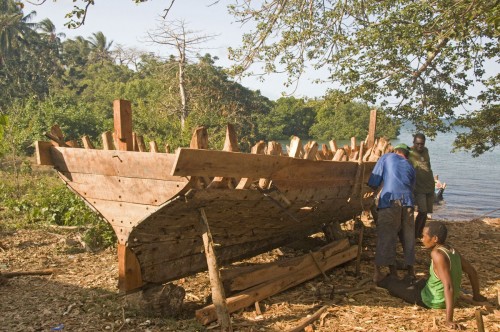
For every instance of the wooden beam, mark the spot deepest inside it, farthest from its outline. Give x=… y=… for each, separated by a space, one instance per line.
x=42 y=153
x=140 y=143
x=122 y=112
x=310 y=151
x=249 y=276
x=153 y=147
x=246 y=182
x=167 y=148
x=129 y=270
x=87 y=144
x=107 y=141
x=262 y=291
x=295 y=147
x=218 y=296
x=231 y=145
x=333 y=146
x=199 y=140
x=191 y=162
x=370 y=139
x=338 y=155
x=272 y=150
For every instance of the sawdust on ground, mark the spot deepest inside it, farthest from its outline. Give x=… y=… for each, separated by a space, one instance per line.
x=83 y=296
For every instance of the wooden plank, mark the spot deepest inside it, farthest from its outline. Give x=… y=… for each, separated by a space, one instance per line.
x=190 y=162
x=42 y=153
x=167 y=148
x=370 y=139
x=87 y=144
x=129 y=270
x=295 y=147
x=122 y=113
x=118 y=188
x=218 y=296
x=246 y=277
x=107 y=141
x=260 y=292
x=115 y=163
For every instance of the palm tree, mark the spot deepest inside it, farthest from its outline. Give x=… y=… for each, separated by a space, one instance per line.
x=15 y=28
x=48 y=30
x=100 y=48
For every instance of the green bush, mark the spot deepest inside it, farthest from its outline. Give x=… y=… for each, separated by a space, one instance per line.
x=38 y=199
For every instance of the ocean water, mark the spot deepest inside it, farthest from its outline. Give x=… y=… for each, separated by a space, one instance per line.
x=472 y=184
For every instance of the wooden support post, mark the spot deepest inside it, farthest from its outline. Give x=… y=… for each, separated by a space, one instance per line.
x=333 y=146
x=107 y=141
x=338 y=155
x=273 y=150
x=42 y=152
x=129 y=270
x=257 y=308
x=295 y=147
x=310 y=151
x=87 y=144
x=360 y=249
x=153 y=147
x=258 y=148
x=230 y=145
x=199 y=140
x=122 y=112
x=370 y=139
x=479 y=321
x=218 y=296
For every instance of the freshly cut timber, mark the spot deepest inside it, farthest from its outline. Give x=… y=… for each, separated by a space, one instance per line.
x=253 y=202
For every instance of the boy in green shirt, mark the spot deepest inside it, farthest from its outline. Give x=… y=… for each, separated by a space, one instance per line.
x=442 y=288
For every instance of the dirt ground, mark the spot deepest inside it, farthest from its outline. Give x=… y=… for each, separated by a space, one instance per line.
x=83 y=296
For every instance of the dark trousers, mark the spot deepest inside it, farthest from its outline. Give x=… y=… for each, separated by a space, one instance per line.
x=405 y=289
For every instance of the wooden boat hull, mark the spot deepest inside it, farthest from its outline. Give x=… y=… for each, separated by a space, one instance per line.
x=154 y=207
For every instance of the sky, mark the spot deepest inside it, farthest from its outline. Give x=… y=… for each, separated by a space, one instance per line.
x=127 y=23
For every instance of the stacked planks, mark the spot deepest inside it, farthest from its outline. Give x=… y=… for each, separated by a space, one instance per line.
x=258 y=282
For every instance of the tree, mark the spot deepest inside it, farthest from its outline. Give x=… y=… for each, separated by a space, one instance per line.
x=417 y=58
x=340 y=122
x=100 y=48
x=48 y=29
x=175 y=34
x=15 y=28
x=289 y=116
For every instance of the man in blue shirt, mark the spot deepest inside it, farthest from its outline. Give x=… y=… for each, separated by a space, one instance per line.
x=394 y=172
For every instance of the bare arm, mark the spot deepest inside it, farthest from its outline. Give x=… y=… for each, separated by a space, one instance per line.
x=471 y=272
x=442 y=269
